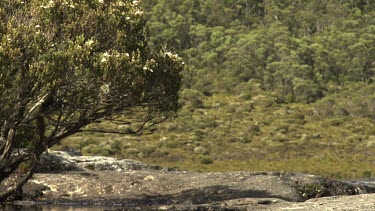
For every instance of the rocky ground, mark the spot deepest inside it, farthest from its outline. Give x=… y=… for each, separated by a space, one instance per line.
x=132 y=185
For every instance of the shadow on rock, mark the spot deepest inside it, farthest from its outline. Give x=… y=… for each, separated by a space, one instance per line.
x=219 y=193
x=208 y=195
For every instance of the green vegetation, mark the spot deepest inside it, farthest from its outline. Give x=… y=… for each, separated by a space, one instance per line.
x=66 y=66
x=268 y=85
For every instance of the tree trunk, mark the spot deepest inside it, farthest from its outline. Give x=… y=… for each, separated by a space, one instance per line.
x=10 y=163
x=8 y=147
x=19 y=183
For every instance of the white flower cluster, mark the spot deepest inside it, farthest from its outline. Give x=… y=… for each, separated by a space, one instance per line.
x=121 y=4
x=149 y=64
x=38 y=28
x=69 y=4
x=173 y=56
x=89 y=43
x=135 y=2
x=138 y=12
x=50 y=4
x=106 y=56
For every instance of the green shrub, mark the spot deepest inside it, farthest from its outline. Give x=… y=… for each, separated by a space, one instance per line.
x=280 y=139
x=252 y=128
x=355 y=138
x=282 y=128
x=305 y=137
x=244 y=140
x=97 y=150
x=367 y=174
x=191 y=98
x=296 y=118
x=105 y=152
x=201 y=150
x=371 y=132
x=206 y=160
x=325 y=107
x=306 y=91
x=116 y=147
x=263 y=101
x=309 y=191
x=147 y=150
x=172 y=145
x=335 y=122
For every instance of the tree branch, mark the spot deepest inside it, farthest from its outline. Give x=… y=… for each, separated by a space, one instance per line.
x=107 y=131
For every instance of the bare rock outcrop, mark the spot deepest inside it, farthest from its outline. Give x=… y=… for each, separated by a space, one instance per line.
x=59 y=161
x=132 y=185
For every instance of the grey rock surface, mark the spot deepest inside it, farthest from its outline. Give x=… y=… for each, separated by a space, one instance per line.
x=132 y=185
x=59 y=161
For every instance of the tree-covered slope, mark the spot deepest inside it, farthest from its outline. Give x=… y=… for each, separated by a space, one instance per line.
x=296 y=49
x=268 y=85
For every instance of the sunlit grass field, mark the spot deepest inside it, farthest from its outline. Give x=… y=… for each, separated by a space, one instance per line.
x=228 y=132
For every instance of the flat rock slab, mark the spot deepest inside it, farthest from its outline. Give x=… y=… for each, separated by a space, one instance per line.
x=176 y=190
x=132 y=185
x=173 y=187
x=358 y=202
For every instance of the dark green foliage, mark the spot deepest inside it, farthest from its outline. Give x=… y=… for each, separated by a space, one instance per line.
x=191 y=98
x=366 y=174
x=206 y=160
x=293 y=48
x=253 y=128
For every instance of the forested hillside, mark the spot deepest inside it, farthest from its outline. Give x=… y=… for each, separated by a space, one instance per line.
x=296 y=49
x=268 y=85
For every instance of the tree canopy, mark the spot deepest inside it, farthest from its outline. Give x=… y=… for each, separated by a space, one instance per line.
x=65 y=64
x=293 y=48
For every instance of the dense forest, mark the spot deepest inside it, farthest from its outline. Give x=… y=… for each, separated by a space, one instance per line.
x=268 y=85
x=298 y=49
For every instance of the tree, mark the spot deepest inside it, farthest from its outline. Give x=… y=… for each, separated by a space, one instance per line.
x=65 y=64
